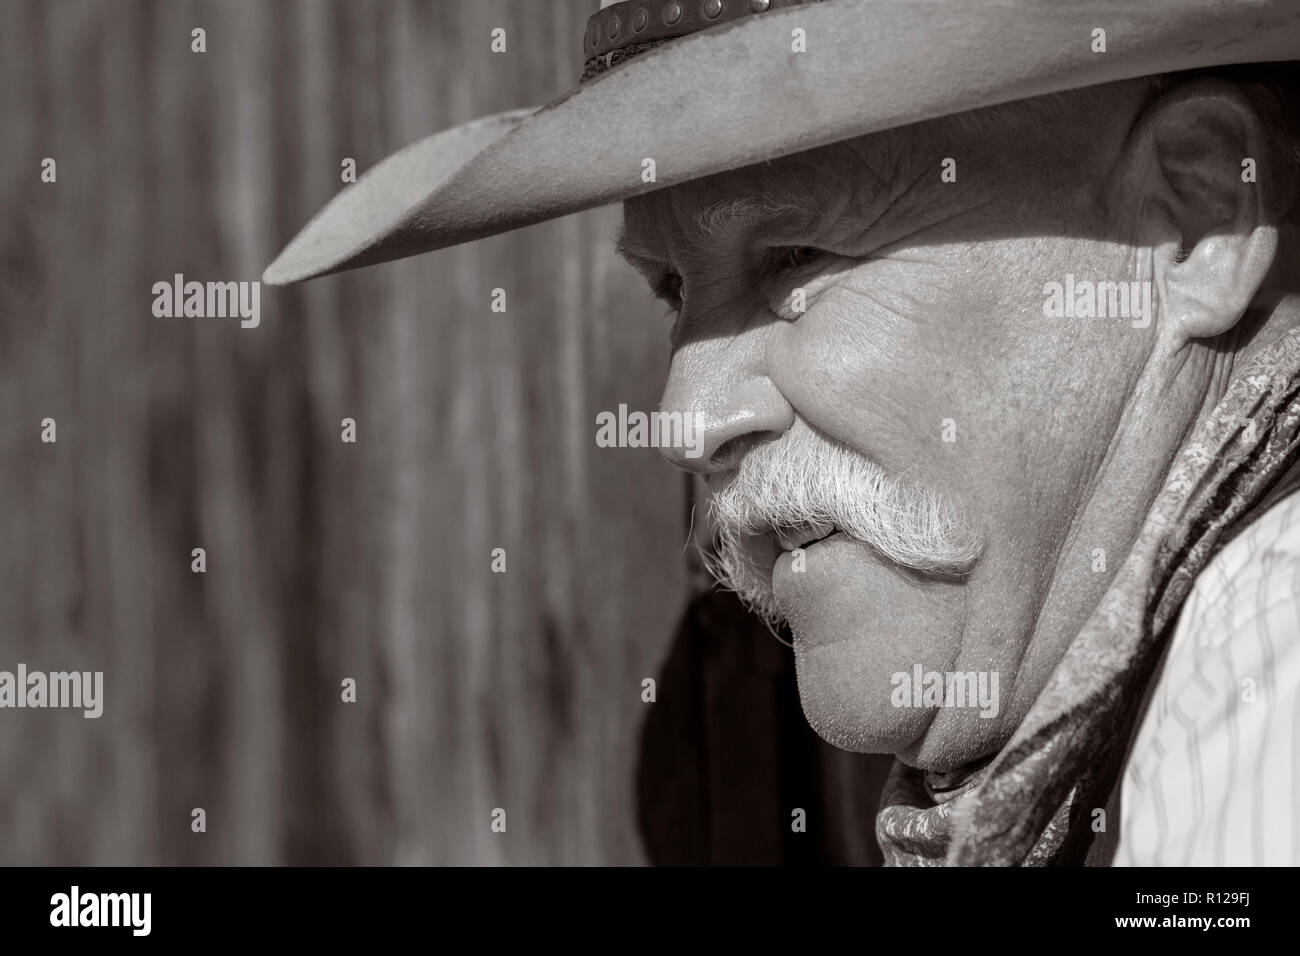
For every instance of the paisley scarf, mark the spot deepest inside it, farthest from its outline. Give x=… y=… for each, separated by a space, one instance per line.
x=1018 y=808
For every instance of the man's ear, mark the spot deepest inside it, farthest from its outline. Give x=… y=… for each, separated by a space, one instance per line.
x=1199 y=158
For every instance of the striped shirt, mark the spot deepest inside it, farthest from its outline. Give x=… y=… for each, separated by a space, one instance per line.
x=1214 y=775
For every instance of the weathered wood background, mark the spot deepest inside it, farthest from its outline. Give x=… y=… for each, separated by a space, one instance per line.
x=328 y=560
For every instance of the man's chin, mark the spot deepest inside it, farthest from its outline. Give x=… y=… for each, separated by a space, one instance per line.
x=858 y=622
x=831 y=691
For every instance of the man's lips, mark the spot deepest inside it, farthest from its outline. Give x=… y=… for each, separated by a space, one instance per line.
x=789 y=539
x=826 y=559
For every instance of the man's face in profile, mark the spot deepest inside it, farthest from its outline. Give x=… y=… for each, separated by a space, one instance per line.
x=927 y=445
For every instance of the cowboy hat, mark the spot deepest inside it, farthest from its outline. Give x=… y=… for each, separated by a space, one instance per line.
x=703 y=86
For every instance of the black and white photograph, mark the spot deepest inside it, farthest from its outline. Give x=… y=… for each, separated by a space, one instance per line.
x=655 y=433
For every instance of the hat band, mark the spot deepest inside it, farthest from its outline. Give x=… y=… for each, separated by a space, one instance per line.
x=624 y=30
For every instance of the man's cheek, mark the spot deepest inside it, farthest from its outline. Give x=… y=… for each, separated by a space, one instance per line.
x=873 y=383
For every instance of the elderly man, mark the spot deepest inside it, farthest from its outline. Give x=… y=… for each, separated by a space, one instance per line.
x=985 y=383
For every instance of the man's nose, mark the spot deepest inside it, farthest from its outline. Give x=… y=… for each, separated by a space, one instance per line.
x=722 y=390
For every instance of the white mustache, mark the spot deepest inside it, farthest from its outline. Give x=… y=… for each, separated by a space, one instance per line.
x=803 y=485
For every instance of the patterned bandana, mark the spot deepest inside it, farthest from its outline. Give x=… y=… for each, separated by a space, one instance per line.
x=1019 y=807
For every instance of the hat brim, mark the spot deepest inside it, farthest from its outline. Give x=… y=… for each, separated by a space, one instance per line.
x=737 y=94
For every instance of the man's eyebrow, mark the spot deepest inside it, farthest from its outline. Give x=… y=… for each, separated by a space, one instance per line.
x=730 y=218
x=726 y=219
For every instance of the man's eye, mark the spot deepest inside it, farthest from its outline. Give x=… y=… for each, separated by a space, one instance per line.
x=669 y=288
x=787 y=258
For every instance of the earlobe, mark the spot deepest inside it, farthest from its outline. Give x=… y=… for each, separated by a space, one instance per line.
x=1204 y=291
x=1212 y=237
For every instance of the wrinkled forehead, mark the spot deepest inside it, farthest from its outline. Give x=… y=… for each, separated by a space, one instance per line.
x=785 y=194
x=1033 y=167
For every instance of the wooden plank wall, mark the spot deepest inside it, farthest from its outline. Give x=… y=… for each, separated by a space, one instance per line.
x=325 y=560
